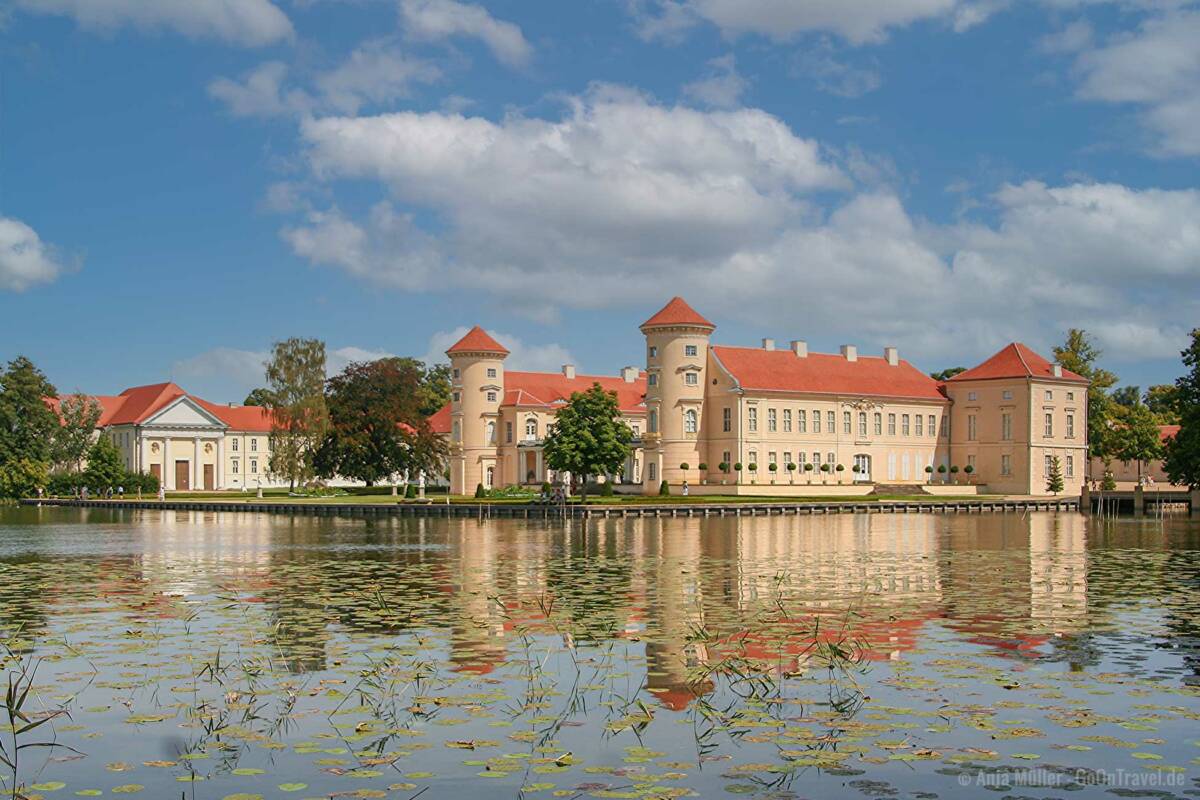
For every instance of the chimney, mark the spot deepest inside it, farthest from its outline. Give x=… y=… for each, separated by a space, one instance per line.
x=892 y=355
x=1057 y=369
x=800 y=348
x=850 y=352
x=768 y=344
x=569 y=371
x=630 y=374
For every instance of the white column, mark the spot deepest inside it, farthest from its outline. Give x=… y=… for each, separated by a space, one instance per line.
x=168 y=476
x=220 y=468
x=143 y=464
x=195 y=471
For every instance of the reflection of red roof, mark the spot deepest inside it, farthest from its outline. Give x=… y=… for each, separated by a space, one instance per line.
x=1168 y=432
x=440 y=421
x=1015 y=361
x=477 y=340
x=550 y=389
x=822 y=373
x=677 y=312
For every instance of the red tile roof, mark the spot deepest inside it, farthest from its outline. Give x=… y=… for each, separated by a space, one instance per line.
x=546 y=389
x=239 y=418
x=477 y=340
x=822 y=373
x=440 y=421
x=1168 y=432
x=677 y=312
x=1015 y=360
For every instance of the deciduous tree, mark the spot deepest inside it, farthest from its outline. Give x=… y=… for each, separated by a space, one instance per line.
x=299 y=415
x=78 y=417
x=1163 y=400
x=588 y=436
x=1128 y=396
x=1183 y=451
x=105 y=467
x=258 y=397
x=27 y=423
x=1079 y=355
x=1135 y=436
x=947 y=374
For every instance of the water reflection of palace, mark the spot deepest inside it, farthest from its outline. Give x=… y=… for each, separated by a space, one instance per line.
x=673 y=590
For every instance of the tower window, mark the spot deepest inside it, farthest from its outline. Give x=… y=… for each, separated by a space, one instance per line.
x=690 y=350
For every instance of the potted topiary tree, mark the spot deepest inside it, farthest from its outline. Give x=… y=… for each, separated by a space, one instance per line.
x=684 y=467
x=808 y=467
x=929 y=472
x=942 y=472
x=753 y=472
x=738 y=469
x=773 y=468
x=791 y=468
x=954 y=474
x=703 y=472
x=724 y=467
x=969 y=469
x=825 y=469
x=840 y=468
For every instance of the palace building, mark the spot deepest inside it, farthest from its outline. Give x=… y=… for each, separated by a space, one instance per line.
x=699 y=409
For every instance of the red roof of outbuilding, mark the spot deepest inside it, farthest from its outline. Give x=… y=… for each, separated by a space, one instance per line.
x=440 y=421
x=1168 y=432
x=677 y=312
x=1015 y=360
x=822 y=373
x=550 y=388
x=477 y=340
x=239 y=418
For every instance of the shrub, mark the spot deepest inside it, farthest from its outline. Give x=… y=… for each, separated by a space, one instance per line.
x=753 y=467
x=480 y=492
x=968 y=469
x=941 y=469
x=773 y=467
x=840 y=467
x=929 y=469
x=664 y=489
x=855 y=469
x=606 y=489
x=684 y=466
x=825 y=467
x=723 y=466
x=703 y=467
x=737 y=467
x=808 y=467
x=411 y=491
x=791 y=467
x=546 y=487
x=1109 y=484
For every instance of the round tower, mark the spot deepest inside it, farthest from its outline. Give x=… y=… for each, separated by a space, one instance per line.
x=477 y=378
x=677 y=340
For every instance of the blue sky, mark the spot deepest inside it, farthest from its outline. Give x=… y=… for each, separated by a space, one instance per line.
x=184 y=182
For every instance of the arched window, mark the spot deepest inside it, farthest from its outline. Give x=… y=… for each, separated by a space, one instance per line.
x=689 y=421
x=531 y=428
x=491 y=433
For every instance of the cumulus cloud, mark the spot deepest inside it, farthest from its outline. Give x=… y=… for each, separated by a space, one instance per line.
x=376 y=73
x=25 y=260
x=1156 y=68
x=522 y=356
x=433 y=20
x=249 y=23
x=721 y=86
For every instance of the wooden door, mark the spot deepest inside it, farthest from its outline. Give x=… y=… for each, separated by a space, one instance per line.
x=210 y=481
x=182 y=484
x=156 y=471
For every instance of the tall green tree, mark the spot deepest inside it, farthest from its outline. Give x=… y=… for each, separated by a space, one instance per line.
x=258 y=397
x=435 y=387
x=1183 y=451
x=588 y=436
x=1135 y=436
x=27 y=423
x=105 y=467
x=378 y=424
x=947 y=374
x=78 y=416
x=299 y=415
x=1054 y=480
x=1127 y=396
x=1079 y=355
x=1163 y=400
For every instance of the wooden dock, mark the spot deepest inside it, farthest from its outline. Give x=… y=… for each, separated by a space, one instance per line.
x=535 y=511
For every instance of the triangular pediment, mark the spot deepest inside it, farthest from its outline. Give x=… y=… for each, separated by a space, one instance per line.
x=184 y=412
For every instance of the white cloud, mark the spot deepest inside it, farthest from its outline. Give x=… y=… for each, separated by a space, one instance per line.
x=433 y=20
x=721 y=87
x=522 y=356
x=25 y=260
x=376 y=73
x=243 y=22
x=835 y=77
x=1156 y=68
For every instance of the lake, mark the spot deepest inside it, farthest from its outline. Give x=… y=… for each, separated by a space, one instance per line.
x=220 y=655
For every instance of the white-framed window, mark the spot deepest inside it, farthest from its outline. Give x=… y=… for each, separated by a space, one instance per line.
x=1048 y=466
x=456 y=397
x=816 y=460
x=690 y=350
x=652 y=421
x=891 y=424
x=862 y=423
x=652 y=379
x=727 y=458
x=1006 y=427
x=456 y=431
x=972 y=396
x=457 y=374
x=1049 y=395
x=802 y=421
x=491 y=397
x=971 y=462
x=254 y=466
x=1071 y=396
x=636 y=430
x=253 y=445
x=831 y=458
x=653 y=354
x=846 y=423
x=932 y=425
x=233 y=445
x=772 y=421
x=1048 y=424
x=971 y=428
x=1006 y=394
x=816 y=421
x=753 y=457
x=489 y=432
x=508 y=432
x=787 y=458
x=1070 y=466
x=905 y=425
x=689 y=421
x=752 y=419
x=773 y=458
x=727 y=419
x=878 y=424
x=830 y=422
x=491 y=373
x=801 y=459
x=652 y=471
x=234 y=466
x=691 y=378
x=919 y=429
x=1006 y=465
x=531 y=429
x=944 y=427
x=787 y=420
x=1070 y=426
